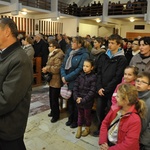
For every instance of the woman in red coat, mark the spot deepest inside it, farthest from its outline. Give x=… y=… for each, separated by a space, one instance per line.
x=121 y=127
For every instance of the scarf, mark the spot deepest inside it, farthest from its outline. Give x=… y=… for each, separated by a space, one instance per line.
x=97 y=51
x=69 y=60
x=52 y=53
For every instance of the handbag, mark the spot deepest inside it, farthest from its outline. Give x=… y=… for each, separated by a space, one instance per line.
x=48 y=77
x=65 y=92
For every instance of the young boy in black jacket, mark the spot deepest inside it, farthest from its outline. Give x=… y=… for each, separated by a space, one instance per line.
x=111 y=67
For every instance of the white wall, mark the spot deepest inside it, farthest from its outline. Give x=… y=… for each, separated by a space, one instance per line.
x=70 y=26
x=130 y=28
x=105 y=31
x=85 y=29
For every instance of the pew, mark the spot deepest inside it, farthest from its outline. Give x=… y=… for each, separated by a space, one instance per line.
x=37 y=71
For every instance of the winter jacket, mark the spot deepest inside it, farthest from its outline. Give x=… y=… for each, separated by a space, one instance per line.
x=110 y=71
x=128 y=133
x=142 y=64
x=29 y=51
x=85 y=87
x=41 y=50
x=71 y=74
x=145 y=133
x=128 y=54
x=16 y=77
x=95 y=54
x=53 y=66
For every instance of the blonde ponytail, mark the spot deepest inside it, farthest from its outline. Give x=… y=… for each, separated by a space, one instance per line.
x=141 y=108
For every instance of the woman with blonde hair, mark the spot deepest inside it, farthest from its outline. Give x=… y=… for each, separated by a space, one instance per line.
x=120 y=130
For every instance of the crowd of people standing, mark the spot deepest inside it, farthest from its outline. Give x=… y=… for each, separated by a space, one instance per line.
x=113 y=73
x=117 y=77
x=104 y=72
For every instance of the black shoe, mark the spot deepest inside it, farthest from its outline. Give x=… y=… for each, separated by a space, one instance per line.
x=68 y=123
x=96 y=133
x=53 y=120
x=50 y=114
x=74 y=125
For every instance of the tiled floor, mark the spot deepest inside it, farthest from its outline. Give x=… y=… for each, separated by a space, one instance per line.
x=41 y=134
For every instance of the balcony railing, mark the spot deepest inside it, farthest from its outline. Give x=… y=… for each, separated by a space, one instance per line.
x=96 y=10
x=41 y=4
x=80 y=11
x=127 y=8
x=6 y=0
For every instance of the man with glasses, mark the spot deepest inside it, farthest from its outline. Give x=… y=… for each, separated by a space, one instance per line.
x=135 y=47
x=143 y=86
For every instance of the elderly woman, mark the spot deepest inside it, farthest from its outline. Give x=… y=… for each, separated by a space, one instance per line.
x=71 y=68
x=53 y=65
x=27 y=46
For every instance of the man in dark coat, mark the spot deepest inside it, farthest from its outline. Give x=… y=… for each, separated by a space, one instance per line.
x=16 y=76
x=41 y=49
x=62 y=43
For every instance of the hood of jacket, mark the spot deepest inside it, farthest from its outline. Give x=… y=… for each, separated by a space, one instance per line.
x=119 y=53
x=144 y=95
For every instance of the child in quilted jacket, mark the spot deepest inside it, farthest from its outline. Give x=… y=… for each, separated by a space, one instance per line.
x=130 y=75
x=83 y=93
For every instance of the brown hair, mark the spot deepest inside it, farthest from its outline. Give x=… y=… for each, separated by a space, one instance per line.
x=134 y=68
x=29 y=40
x=79 y=40
x=116 y=37
x=144 y=74
x=130 y=93
x=55 y=43
x=99 y=40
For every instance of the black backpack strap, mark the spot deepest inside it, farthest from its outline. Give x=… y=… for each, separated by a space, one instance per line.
x=118 y=120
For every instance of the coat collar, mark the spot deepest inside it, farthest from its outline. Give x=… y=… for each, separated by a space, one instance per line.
x=9 y=50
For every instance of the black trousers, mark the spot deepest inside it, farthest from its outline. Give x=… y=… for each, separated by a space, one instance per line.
x=103 y=106
x=72 y=108
x=17 y=144
x=54 y=94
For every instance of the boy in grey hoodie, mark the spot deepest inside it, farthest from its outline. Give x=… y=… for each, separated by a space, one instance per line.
x=143 y=86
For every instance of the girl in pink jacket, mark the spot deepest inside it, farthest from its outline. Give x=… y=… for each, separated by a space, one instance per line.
x=130 y=74
x=120 y=130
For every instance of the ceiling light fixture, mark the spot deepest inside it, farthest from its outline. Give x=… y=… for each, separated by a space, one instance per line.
x=98 y=20
x=132 y=19
x=24 y=13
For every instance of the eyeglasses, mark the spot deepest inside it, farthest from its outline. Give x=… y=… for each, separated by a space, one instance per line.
x=141 y=82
